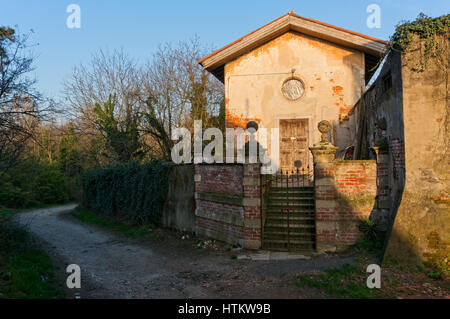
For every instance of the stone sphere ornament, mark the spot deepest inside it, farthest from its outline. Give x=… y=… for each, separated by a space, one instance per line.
x=324 y=127
x=253 y=125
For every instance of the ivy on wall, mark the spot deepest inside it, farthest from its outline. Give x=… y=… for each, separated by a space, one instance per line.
x=426 y=29
x=130 y=191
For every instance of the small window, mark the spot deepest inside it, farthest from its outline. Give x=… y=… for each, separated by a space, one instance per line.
x=387 y=82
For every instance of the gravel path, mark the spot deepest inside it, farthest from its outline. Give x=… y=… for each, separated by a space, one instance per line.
x=114 y=266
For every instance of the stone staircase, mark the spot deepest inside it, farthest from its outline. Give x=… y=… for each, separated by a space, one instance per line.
x=300 y=203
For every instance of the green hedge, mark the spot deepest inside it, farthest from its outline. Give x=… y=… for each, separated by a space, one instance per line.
x=129 y=191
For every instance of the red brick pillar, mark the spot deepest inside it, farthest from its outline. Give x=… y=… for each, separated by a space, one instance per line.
x=252 y=206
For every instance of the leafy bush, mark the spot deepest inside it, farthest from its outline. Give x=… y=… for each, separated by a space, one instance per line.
x=425 y=27
x=374 y=233
x=425 y=31
x=373 y=230
x=32 y=183
x=129 y=191
x=49 y=186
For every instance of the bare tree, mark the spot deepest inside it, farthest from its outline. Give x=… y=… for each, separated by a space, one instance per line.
x=108 y=73
x=21 y=106
x=170 y=90
x=183 y=91
x=105 y=99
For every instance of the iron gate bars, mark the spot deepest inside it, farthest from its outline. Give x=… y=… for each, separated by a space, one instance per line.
x=282 y=190
x=291 y=178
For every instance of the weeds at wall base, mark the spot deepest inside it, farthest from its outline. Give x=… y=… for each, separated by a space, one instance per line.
x=128 y=230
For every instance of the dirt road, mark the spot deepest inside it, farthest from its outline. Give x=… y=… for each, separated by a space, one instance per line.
x=115 y=266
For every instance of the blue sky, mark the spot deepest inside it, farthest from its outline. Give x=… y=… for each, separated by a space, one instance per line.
x=140 y=26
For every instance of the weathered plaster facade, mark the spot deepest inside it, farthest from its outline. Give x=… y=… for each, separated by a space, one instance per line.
x=332 y=75
x=406 y=114
x=333 y=65
x=421 y=231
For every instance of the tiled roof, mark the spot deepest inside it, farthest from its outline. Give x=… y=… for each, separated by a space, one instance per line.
x=293 y=22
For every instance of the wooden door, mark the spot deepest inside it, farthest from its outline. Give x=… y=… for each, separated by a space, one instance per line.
x=294 y=144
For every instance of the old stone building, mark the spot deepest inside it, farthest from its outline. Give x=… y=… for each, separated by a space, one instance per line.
x=293 y=73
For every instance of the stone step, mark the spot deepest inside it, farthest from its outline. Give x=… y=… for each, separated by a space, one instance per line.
x=300 y=211
x=291 y=190
x=280 y=226
x=293 y=218
x=301 y=250
x=290 y=199
x=293 y=228
x=300 y=220
x=297 y=223
x=293 y=241
x=290 y=205
x=280 y=245
x=292 y=236
x=302 y=207
x=305 y=223
x=292 y=210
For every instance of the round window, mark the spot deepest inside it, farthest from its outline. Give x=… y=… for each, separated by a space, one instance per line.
x=293 y=89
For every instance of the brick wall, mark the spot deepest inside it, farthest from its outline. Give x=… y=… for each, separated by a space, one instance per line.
x=355 y=177
x=345 y=193
x=356 y=190
x=252 y=206
x=228 y=203
x=220 y=178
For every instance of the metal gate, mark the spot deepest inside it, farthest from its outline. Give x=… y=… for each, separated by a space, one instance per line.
x=289 y=222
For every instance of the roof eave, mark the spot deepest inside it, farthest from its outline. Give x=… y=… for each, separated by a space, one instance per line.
x=292 y=22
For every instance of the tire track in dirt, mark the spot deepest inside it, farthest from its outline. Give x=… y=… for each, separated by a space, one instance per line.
x=115 y=266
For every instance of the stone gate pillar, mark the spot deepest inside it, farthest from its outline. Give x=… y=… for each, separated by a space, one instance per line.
x=345 y=192
x=324 y=189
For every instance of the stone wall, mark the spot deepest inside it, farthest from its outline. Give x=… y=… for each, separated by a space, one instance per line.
x=379 y=124
x=406 y=114
x=421 y=231
x=179 y=208
x=228 y=203
x=345 y=194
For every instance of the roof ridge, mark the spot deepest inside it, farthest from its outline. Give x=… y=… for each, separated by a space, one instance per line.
x=292 y=15
x=241 y=38
x=339 y=28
